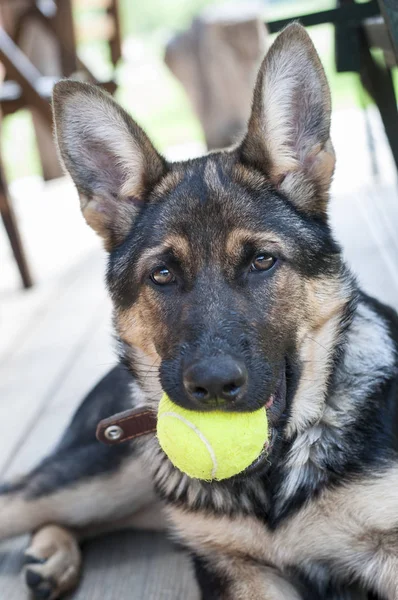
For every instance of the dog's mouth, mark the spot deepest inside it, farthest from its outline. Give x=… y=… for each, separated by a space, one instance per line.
x=276 y=404
x=275 y=407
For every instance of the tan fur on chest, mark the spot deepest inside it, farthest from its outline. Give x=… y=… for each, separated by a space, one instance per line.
x=349 y=527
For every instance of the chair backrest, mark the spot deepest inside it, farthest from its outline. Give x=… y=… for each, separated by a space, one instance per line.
x=377 y=33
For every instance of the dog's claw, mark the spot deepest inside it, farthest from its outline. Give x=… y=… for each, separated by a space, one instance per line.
x=40 y=587
x=34 y=560
x=33 y=579
x=52 y=563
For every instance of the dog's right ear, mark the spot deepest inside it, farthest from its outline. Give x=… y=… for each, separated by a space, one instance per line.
x=288 y=135
x=110 y=159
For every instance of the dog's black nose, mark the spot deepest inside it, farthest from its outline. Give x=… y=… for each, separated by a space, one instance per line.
x=215 y=380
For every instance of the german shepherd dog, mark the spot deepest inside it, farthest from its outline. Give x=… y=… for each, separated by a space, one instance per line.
x=229 y=292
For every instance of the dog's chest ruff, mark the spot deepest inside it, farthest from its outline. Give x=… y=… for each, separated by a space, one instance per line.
x=338 y=528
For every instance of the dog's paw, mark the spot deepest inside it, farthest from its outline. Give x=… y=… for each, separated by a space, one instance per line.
x=52 y=563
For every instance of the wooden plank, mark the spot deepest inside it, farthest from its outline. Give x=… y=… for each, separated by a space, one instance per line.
x=56 y=240
x=380 y=212
x=136 y=566
x=24 y=385
x=11 y=562
x=363 y=156
x=89 y=365
x=363 y=223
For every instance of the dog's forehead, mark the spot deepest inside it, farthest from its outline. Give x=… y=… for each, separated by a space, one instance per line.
x=215 y=205
x=206 y=211
x=205 y=199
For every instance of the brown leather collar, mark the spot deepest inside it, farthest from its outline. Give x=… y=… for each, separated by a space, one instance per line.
x=126 y=426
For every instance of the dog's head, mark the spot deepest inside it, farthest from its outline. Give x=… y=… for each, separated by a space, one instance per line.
x=222 y=269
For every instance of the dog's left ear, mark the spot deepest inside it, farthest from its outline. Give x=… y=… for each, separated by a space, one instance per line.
x=110 y=159
x=289 y=129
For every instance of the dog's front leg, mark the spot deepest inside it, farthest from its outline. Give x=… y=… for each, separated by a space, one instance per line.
x=83 y=488
x=230 y=578
x=254 y=582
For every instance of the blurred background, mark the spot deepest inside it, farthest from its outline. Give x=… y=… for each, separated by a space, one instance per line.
x=146 y=87
x=184 y=69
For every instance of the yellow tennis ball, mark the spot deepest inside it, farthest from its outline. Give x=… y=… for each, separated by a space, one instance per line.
x=210 y=445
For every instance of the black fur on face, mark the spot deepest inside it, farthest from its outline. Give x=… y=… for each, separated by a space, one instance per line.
x=207 y=230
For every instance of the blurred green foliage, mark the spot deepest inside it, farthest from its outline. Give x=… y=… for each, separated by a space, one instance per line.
x=146 y=87
x=143 y=17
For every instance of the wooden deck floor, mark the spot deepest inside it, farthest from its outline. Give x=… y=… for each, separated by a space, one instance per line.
x=55 y=340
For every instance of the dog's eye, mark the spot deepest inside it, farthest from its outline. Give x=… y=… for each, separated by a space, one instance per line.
x=263 y=262
x=162 y=276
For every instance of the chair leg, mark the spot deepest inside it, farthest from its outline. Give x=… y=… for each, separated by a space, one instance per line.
x=116 y=41
x=11 y=226
x=377 y=80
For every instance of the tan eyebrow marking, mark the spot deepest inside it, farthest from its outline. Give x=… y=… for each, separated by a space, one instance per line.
x=177 y=244
x=240 y=236
x=180 y=246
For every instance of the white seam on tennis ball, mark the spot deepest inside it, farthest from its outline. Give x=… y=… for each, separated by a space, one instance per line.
x=199 y=434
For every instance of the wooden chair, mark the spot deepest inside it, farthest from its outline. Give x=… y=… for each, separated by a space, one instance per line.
x=26 y=86
x=217 y=61
x=11 y=227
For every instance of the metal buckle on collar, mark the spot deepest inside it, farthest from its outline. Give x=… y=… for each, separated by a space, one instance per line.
x=126 y=425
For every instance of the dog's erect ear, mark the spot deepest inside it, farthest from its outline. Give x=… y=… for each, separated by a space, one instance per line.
x=110 y=159
x=289 y=129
